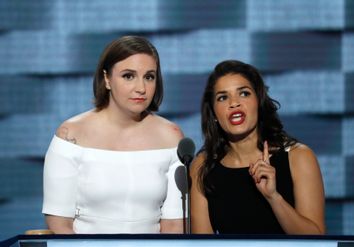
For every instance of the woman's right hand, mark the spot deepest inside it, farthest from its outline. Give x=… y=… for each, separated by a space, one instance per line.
x=263 y=175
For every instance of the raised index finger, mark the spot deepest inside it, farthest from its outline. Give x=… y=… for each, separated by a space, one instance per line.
x=265 y=152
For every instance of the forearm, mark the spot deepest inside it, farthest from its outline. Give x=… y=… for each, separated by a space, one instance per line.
x=171 y=226
x=61 y=230
x=60 y=225
x=290 y=220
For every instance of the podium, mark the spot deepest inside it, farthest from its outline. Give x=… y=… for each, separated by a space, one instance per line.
x=177 y=240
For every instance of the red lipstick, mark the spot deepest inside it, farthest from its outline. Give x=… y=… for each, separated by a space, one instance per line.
x=237 y=117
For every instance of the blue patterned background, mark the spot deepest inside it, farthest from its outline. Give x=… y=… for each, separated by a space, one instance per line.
x=49 y=50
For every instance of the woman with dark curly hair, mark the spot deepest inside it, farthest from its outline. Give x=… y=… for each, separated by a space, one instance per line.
x=250 y=176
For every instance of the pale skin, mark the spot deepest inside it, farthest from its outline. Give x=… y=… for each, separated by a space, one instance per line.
x=123 y=125
x=307 y=216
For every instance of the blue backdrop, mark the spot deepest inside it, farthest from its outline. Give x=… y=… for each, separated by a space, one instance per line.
x=49 y=50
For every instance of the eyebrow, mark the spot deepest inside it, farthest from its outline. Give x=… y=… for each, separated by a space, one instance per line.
x=134 y=71
x=151 y=71
x=238 y=89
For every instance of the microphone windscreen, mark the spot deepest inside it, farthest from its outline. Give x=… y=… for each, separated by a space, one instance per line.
x=181 y=179
x=185 y=149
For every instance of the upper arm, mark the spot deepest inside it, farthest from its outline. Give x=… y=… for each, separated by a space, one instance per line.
x=199 y=205
x=173 y=132
x=166 y=134
x=61 y=166
x=176 y=130
x=308 y=185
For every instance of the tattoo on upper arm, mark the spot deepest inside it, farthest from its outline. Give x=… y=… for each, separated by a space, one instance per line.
x=63 y=132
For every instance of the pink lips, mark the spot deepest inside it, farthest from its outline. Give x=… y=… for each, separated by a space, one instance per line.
x=237 y=117
x=138 y=100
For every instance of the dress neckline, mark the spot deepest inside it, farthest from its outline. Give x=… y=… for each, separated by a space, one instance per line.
x=78 y=147
x=244 y=167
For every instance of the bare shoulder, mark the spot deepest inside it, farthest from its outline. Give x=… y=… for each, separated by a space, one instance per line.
x=301 y=152
x=71 y=129
x=167 y=131
x=302 y=158
x=197 y=163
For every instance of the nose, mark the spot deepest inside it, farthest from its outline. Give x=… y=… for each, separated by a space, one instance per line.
x=140 y=86
x=234 y=102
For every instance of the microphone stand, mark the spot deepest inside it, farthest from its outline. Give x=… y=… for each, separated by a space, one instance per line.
x=185 y=152
x=181 y=179
x=189 y=227
x=187 y=224
x=184 y=212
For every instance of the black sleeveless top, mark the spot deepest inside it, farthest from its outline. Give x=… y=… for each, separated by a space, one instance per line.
x=235 y=204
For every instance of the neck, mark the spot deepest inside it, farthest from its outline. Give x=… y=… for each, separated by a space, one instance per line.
x=123 y=119
x=244 y=151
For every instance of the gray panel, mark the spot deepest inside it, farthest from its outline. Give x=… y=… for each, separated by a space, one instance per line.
x=348 y=52
x=199 y=51
x=41 y=52
x=348 y=136
x=322 y=133
x=294 y=91
x=333 y=169
x=40 y=94
x=175 y=14
x=318 y=92
x=294 y=51
x=58 y=53
x=27 y=135
x=349 y=14
x=20 y=177
x=334 y=217
x=274 y=15
x=349 y=179
x=20 y=214
x=348 y=216
x=70 y=95
x=183 y=93
x=106 y=15
x=20 y=94
x=30 y=15
x=349 y=92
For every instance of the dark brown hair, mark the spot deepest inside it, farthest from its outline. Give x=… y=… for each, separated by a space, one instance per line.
x=119 y=50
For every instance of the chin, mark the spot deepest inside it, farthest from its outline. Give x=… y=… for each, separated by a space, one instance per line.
x=138 y=110
x=240 y=133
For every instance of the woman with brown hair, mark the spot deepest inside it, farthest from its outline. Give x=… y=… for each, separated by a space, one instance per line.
x=111 y=169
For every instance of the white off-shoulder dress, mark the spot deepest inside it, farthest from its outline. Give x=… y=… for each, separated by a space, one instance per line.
x=111 y=191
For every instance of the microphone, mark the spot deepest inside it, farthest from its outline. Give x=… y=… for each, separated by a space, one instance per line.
x=181 y=181
x=185 y=151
